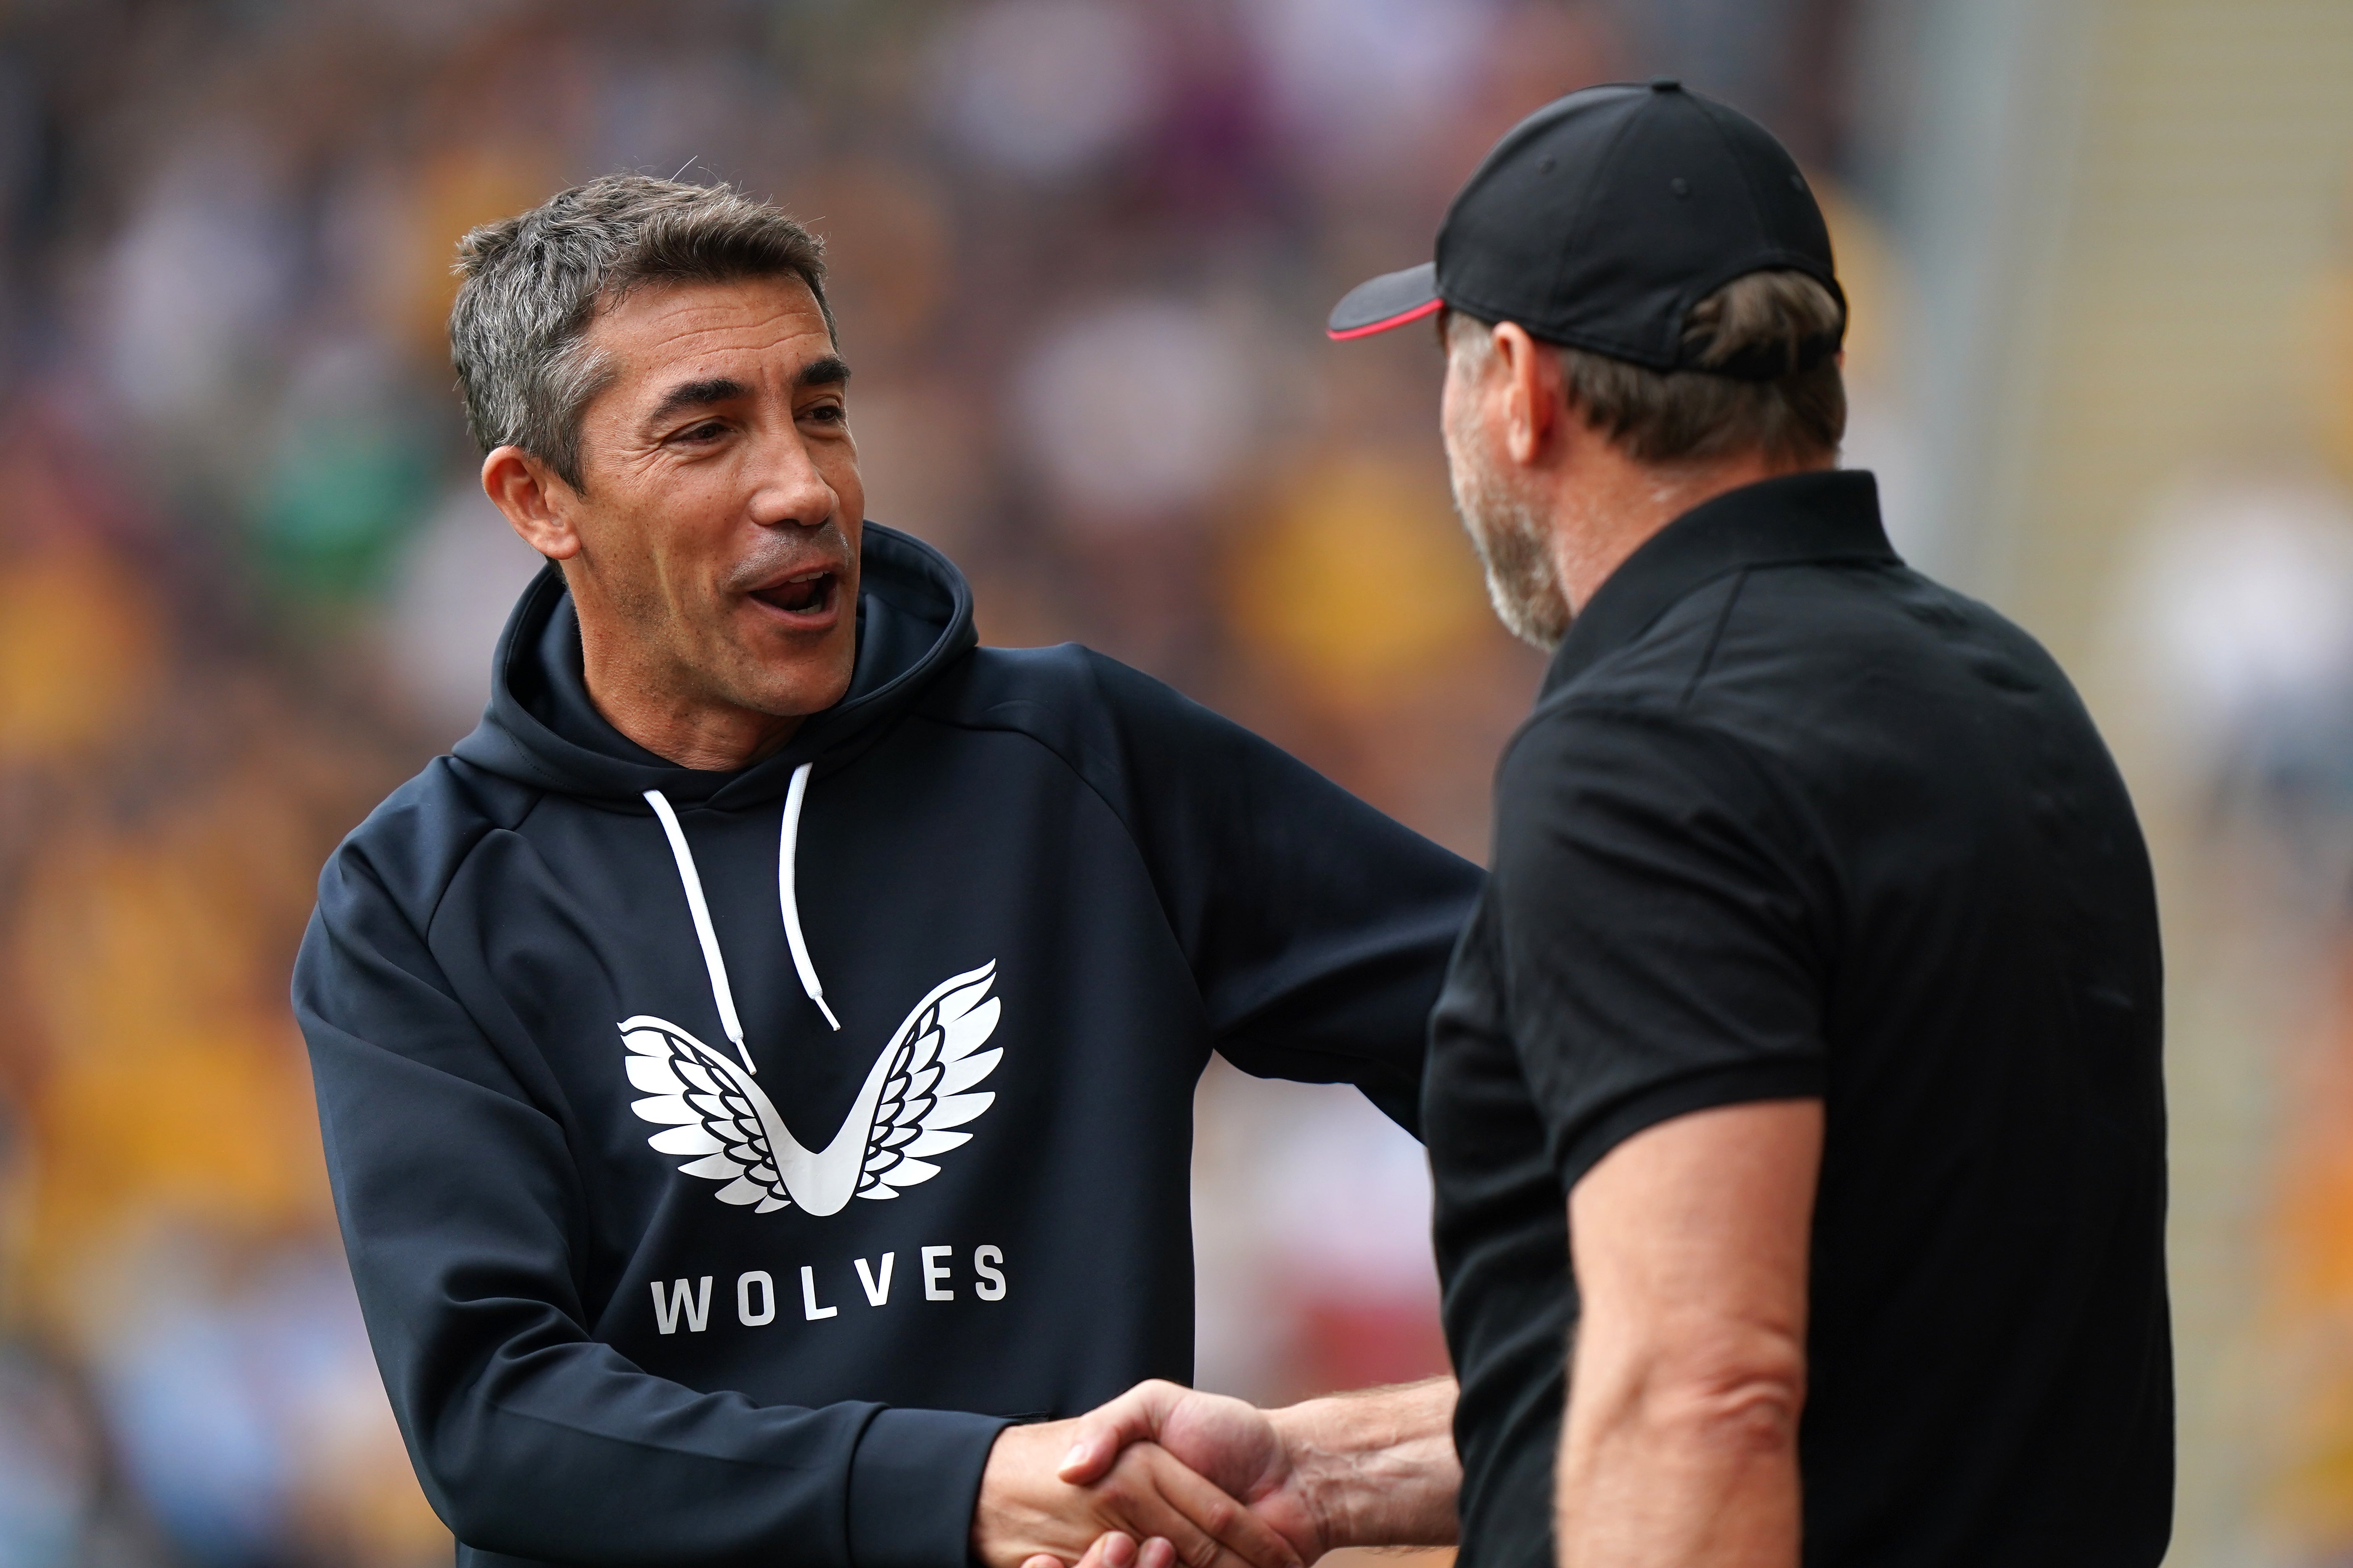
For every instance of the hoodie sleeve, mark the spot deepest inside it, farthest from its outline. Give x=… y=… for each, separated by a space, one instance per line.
x=461 y=1214
x=1318 y=929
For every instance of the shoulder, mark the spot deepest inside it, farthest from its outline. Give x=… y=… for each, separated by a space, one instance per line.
x=1833 y=630
x=1804 y=700
x=411 y=846
x=1003 y=684
x=1653 y=799
x=1592 y=749
x=1085 y=706
x=1168 y=767
x=1819 y=665
x=1867 y=680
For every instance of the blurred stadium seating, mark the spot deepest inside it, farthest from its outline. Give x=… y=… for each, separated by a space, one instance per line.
x=1083 y=251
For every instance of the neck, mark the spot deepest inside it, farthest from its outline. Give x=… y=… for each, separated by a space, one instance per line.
x=1616 y=504
x=658 y=709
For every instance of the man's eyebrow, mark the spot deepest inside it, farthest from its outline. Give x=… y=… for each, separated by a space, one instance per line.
x=831 y=370
x=695 y=394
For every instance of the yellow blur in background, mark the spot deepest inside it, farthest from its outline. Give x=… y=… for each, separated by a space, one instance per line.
x=2101 y=360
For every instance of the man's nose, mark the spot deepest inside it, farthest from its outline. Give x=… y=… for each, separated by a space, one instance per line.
x=789 y=491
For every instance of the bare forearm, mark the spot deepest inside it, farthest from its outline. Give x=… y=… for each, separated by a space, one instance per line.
x=1378 y=1466
x=1680 y=1479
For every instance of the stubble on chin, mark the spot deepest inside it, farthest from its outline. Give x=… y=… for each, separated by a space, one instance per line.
x=1514 y=547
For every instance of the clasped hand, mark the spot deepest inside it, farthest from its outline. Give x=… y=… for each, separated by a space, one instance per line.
x=1160 y=1477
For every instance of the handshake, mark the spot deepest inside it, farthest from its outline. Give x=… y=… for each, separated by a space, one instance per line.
x=1163 y=1475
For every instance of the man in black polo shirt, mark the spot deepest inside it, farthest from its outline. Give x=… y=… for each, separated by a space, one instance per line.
x=1817 y=971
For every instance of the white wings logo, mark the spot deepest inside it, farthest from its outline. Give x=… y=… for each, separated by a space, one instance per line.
x=914 y=1094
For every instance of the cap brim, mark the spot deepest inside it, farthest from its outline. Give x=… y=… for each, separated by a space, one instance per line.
x=1389 y=300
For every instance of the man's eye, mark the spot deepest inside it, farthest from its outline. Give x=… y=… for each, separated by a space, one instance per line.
x=708 y=430
x=827 y=412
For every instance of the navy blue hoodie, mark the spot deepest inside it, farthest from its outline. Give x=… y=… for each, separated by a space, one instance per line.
x=724 y=1158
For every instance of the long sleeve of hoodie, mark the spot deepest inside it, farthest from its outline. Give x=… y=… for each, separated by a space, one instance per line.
x=462 y=1214
x=1317 y=928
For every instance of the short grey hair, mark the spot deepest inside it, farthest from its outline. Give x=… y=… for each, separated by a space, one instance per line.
x=1785 y=322
x=535 y=283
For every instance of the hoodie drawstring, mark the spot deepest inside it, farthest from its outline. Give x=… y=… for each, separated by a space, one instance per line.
x=721 y=994
x=696 y=906
x=787 y=843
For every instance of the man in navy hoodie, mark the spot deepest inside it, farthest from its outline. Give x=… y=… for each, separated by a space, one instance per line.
x=756 y=1066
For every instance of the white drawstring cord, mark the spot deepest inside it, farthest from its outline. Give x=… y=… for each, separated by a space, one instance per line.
x=787 y=844
x=700 y=911
x=689 y=878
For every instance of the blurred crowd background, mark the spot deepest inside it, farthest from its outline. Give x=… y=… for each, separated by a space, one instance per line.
x=2101 y=257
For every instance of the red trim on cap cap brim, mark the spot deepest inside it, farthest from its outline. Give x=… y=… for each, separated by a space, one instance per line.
x=1427 y=307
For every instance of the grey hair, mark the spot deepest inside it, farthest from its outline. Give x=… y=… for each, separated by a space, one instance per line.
x=1774 y=317
x=535 y=283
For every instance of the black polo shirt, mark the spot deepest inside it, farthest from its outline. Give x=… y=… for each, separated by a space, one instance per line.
x=1791 y=820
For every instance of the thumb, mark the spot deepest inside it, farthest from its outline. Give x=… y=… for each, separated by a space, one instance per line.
x=1099 y=1435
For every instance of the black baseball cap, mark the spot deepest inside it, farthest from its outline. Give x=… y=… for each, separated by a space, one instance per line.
x=1603 y=218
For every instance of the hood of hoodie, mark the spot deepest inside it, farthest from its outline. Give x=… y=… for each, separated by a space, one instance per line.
x=914 y=621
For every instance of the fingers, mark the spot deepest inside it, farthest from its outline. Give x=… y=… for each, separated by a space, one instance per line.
x=1120 y=1552
x=1113 y=1549
x=1133 y=1417
x=1117 y=1549
x=1151 y=1494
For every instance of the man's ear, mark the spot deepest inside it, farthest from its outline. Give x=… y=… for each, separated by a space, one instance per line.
x=539 y=506
x=1532 y=406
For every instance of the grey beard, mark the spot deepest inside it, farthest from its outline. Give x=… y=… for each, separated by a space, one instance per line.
x=1516 y=548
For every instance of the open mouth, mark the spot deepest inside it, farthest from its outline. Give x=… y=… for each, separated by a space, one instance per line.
x=810 y=593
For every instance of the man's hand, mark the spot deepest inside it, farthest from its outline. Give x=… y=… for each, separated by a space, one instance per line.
x=1360 y=1469
x=1026 y=1511
x=1228 y=1442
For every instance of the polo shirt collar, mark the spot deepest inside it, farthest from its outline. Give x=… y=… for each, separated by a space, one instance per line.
x=1828 y=515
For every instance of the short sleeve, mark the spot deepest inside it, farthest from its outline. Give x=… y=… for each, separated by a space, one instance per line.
x=1657 y=911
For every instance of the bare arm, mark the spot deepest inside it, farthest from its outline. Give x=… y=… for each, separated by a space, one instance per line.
x=1689 y=1242
x=1379 y=1464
